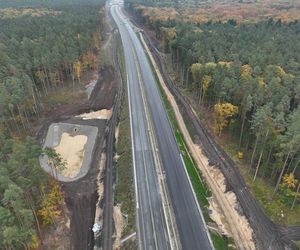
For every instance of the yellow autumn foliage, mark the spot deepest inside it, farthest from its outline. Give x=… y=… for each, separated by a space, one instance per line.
x=261 y=82
x=196 y=69
x=280 y=72
x=50 y=205
x=206 y=82
x=240 y=155
x=224 y=113
x=246 y=71
x=170 y=33
x=290 y=181
x=8 y=13
x=78 y=68
x=154 y=14
x=40 y=74
x=253 y=11
x=89 y=60
x=34 y=242
x=210 y=65
x=225 y=64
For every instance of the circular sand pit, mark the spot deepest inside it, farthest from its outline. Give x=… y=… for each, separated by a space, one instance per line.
x=71 y=149
x=75 y=144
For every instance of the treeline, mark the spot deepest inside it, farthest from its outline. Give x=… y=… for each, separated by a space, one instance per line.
x=248 y=76
x=39 y=54
x=27 y=200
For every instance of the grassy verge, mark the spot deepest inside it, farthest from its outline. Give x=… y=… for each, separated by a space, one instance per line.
x=124 y=192
x=200 y=188
x=263 y=191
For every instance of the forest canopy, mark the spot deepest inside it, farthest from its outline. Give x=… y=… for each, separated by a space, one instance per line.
x=40 y=52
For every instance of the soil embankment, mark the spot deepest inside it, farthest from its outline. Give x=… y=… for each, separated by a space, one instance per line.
x=81 y=196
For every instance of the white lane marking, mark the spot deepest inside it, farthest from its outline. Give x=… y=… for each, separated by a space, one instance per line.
x=155 y=156
x=198 y=206
x=145 y=165
x=132 y=144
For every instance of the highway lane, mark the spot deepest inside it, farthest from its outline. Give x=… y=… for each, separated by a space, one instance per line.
x=190 y=223
x=151 y=222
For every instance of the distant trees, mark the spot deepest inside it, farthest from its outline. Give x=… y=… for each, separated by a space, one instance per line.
x=40 y=54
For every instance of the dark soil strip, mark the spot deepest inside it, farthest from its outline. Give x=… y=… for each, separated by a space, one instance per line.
x=108 y=225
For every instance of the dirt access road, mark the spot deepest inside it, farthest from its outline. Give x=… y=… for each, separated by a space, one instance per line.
x=267 y=235
x=81 y=195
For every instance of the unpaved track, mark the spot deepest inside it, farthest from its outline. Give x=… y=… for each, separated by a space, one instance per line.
x=108 y=229
x=106 y=240
x=267 y=235
x=81 y=195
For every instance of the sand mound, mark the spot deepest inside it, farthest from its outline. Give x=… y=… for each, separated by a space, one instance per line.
x=100 y=114
x=71 y=149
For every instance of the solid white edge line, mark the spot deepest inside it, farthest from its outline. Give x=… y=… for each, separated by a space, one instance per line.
x=197 y=202
x=132 y=145
x=132 y=141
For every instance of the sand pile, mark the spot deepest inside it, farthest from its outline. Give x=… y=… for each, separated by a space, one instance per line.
x=71 y=149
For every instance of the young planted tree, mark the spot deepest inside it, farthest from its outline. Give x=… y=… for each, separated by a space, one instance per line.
x=56 y=162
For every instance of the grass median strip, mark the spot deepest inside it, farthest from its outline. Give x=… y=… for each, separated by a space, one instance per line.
x=124 y=192
x=200 y=188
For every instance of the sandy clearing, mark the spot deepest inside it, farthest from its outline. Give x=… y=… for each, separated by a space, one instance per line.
x=100 y=189
x=237 y=224
x=104 y=114
x=116 y=157
x=90 y=86
x=217 y=216
x=118 y=219
x=71 y=148
x=117 y=134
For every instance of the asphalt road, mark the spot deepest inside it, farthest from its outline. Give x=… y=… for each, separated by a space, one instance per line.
x=143 y=90
x=152 y=231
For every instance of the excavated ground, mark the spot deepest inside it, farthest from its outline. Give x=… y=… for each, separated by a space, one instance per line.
x=81 y=195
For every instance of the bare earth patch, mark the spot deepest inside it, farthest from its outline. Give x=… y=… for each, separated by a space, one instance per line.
x=100 y=114
x=217 y=216
x=71 y=149
x=58 y=236
x=118 y=219
x=100 y=190
x=117 y=130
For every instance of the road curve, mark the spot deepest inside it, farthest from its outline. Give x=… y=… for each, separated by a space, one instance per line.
x=190 y=223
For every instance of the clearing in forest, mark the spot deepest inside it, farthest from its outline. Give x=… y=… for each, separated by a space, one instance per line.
x=75 y=144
